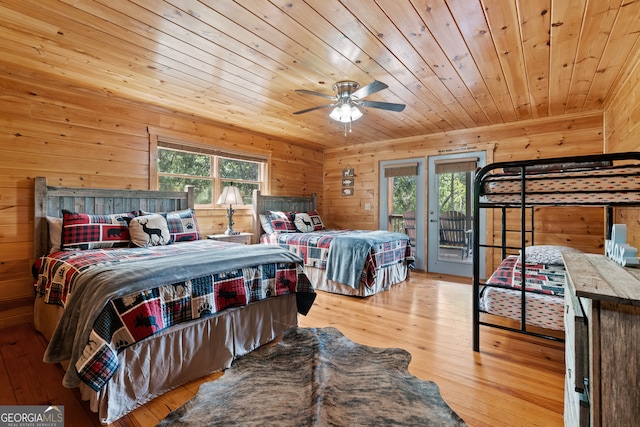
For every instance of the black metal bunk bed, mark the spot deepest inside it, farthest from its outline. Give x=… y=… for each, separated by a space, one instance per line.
x=530 y=184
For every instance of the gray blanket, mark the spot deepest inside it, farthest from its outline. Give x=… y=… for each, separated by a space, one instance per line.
x=348 y=253
x=96 y=287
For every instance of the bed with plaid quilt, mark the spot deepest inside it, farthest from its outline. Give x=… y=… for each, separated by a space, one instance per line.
x=116 y=297
x=544 y=285
x=539 y=278
x=356 y=257
x=586 y=186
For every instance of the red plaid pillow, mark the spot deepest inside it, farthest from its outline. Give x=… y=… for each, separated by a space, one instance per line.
x=281 y=222
x=87 y=231
x=183 y=226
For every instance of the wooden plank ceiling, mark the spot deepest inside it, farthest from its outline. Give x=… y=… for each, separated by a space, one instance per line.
x=454 y=63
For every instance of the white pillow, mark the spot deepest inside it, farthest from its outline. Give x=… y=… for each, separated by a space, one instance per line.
x=149 y=230
x=55 y=233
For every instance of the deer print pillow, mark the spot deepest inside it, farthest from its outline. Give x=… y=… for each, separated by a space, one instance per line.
x=307 y=222
x=183 y=226
x=149 y=230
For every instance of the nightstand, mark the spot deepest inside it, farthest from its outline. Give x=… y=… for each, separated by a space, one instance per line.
x=244 y=238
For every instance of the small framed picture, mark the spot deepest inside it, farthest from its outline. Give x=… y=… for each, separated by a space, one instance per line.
x=347 y=182
x=347 y=172
x=347 y=191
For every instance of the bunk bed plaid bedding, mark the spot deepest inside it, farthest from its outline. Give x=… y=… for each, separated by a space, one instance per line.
x=548 y=279
x=134 y=314
x=619 y=183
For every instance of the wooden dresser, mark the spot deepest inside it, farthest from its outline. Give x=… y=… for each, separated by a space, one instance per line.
x=602 y=330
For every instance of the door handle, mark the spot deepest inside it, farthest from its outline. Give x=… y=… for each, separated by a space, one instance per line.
x=432 y=220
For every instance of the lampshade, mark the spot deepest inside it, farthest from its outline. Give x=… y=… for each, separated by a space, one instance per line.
x=230 y=196
x=346 y=113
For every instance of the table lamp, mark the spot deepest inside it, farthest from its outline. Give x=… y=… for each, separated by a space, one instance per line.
x=231 y=196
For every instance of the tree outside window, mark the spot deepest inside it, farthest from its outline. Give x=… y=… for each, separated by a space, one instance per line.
x=208 y=173
x=244 y=175
x=404 y=194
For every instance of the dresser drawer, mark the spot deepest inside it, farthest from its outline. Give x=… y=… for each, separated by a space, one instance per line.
x=577 y=339
x=576 y=407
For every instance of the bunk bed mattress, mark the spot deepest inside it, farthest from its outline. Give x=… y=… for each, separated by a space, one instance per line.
x=544 y=284
x=616 y=184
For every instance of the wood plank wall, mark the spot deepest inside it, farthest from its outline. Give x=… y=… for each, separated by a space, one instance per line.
x=82 y=139
x=622 y=133
x=564 y=136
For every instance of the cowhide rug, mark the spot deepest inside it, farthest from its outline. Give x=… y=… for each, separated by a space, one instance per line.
x=317 y=377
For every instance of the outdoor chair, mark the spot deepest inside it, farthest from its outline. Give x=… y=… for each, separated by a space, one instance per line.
x=454 y=233
x=409 y=223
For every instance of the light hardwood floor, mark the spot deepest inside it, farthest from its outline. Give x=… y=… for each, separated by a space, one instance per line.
x=514 y=381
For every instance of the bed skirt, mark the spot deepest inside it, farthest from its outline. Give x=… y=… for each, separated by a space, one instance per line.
x=385 y=278
x=189 y=351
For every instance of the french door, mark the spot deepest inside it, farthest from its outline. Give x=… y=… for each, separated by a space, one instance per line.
x=402 y=190
x=450 y=212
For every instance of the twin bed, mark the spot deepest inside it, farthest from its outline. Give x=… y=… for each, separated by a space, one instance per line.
x=512 y=191
x=130 y=323
x=348 y=262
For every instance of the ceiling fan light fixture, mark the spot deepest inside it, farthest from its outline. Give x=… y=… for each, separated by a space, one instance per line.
x=346 y=113
x=349 y=95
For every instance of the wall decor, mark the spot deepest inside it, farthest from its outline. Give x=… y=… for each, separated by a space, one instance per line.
x=348 y=171
x=347 y=191
x=348 y=182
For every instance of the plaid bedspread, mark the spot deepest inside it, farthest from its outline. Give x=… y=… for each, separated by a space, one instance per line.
x=133 y=317
x=539 y=278
x=313 y=248
x=59 y=270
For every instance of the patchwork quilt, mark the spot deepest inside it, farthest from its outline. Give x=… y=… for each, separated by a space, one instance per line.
x=109 y=319
x=539 y=278
x=544 y=284
x=314 y=249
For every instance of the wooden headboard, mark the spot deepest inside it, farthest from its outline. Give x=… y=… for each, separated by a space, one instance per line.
x=49 y=201
x=263 y=203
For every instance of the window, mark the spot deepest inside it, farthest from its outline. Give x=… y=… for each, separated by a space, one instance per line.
x=209 y=171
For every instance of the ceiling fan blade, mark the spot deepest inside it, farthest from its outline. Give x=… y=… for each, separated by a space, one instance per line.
x=382 y=105
x=373 y=87
x=310 y=92
x=314 y=108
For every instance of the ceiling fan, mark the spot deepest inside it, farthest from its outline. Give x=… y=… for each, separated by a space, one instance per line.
x=349 y=96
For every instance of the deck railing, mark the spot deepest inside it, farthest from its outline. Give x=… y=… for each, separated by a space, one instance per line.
x=396 y=223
